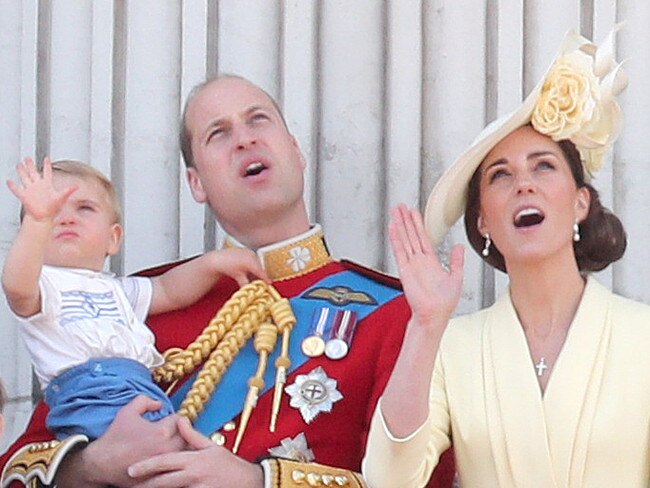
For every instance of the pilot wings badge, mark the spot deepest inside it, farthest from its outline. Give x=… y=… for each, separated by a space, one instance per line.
x=340 y=296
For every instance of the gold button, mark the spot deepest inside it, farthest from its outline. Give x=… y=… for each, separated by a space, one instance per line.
x=313 y=479
x=229 y=426
x=218 y=438
x=297 y=476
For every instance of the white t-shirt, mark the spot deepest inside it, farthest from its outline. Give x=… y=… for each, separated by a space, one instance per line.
x=88 y=314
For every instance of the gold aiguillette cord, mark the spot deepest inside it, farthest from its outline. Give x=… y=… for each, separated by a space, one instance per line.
x=264 y=343
x=285 y=320
x=244 y=314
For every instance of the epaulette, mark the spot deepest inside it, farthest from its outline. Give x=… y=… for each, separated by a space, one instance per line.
x=376 y=275
x=39 y=461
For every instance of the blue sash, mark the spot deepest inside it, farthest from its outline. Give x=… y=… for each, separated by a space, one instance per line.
x=228 y=399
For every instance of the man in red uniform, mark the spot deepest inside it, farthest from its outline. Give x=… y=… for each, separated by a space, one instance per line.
x=246 y=166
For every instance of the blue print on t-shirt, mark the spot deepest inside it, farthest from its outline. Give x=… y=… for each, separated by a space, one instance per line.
x=82 y=305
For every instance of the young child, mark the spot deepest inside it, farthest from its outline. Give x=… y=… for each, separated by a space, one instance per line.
x=84 y=328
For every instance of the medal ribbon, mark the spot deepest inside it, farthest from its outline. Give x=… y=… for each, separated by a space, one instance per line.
x=345 y=325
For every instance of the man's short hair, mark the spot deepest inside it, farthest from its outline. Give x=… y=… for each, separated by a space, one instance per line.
x=87 y=172
x=186 y=137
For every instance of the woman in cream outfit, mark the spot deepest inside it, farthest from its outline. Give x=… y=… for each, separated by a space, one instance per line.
x=550 y=386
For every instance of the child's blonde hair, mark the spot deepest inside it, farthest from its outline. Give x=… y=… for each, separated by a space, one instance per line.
x=87 y=172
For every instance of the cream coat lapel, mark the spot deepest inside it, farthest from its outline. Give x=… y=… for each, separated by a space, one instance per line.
x=572 y=391
x=514 y=410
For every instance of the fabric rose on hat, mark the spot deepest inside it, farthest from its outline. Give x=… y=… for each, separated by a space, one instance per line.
x=569 y=97
x=578 y=101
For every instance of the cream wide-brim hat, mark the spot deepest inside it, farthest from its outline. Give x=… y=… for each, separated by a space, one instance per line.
x=446 y=203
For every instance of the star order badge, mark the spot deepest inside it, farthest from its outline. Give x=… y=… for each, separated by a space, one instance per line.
x=313 y=393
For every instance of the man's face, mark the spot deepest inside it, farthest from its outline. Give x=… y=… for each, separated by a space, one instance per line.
x=247 y=165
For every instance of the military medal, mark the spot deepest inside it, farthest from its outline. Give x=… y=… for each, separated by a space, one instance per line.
x=336 y=349
x=342 y=332
x=313 y=393
x=314 y=344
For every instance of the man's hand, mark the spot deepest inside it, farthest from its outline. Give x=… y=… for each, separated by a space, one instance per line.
x=206 y=465
x=129 y=438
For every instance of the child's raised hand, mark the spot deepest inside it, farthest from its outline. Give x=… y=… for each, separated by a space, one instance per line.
x=430 y=289
x=36 y=192
x=240 y=265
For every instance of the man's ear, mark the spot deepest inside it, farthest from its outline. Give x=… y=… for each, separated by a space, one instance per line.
x=296 y=145
x=196 y=186
x=583 y=202
x=117 y=234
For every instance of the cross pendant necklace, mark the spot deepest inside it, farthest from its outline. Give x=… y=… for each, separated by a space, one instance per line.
x=541 y=367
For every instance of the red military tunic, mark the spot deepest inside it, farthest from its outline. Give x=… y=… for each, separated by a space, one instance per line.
x=302 y=271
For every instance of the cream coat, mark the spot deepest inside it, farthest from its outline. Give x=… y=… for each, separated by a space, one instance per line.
x=590 y=429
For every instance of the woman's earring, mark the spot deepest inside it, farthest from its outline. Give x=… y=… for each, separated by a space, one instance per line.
x=576 y=232
x=486 y=250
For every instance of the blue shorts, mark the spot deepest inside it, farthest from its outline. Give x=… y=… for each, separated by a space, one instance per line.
x=86 y=398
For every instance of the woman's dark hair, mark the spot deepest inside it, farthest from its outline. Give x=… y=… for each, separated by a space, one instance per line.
x=3 y=397
x=602 y=237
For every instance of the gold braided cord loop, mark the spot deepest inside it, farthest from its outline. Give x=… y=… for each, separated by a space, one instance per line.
x=179 y=362
x=283 y=315
x=255 y=304
x=218 y=362
x=266 y=337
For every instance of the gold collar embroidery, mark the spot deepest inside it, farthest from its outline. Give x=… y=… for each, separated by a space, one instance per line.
x=292 y=257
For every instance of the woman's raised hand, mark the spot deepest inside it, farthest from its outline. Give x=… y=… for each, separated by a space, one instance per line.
x=431 y=290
